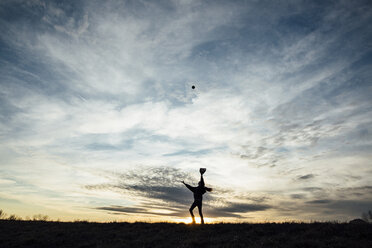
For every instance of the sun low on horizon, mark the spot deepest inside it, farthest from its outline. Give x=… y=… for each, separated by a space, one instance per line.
x=107 y=106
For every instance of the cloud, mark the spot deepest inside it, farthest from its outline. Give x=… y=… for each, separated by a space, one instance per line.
x=345 y=207
x=232 y=210
x=312 y=189
x=243 y=208
x=157 y=183
x=236 y=210
x=298 y=196
x=319 y=201
x=327 y=204
x=354 y=192
x=161 y=193
x=138 y=210
x=191 y=153
x=306 y=177
x=100 y=147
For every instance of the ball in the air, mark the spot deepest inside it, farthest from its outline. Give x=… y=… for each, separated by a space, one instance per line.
x=193 y=87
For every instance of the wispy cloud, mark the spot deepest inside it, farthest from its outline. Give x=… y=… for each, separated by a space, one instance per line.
x=160 y=189
x=306 y=177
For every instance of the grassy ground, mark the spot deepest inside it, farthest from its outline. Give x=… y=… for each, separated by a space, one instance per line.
x=82 y=234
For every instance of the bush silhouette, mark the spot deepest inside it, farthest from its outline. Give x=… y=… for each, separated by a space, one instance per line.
x=40 y=217
x=2 y=214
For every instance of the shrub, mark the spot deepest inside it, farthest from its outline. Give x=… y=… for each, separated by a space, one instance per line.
x=40 y=217
x=14 y=217
x=2 y=214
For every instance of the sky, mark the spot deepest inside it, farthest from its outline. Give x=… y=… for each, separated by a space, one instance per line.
x=98 y=120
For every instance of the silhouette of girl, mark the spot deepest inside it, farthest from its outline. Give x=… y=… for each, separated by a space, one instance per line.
x=198 y=196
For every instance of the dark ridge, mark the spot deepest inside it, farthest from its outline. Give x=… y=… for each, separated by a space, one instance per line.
x=88 y=234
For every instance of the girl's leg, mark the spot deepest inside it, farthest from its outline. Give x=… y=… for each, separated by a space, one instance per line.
x=191 y=209
x=200 y=213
